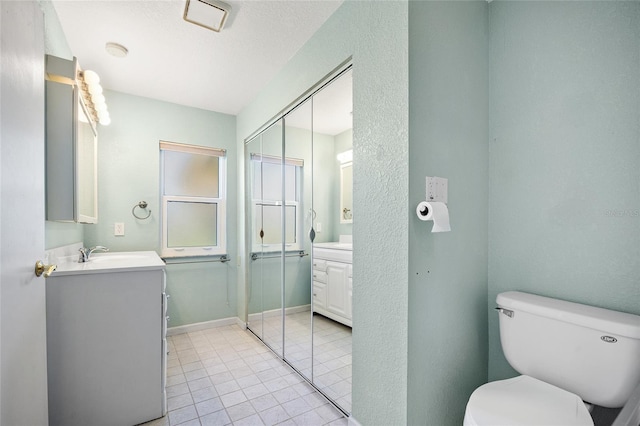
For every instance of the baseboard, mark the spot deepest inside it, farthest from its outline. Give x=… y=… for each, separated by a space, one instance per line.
x=287 y=311
x=199 y=326
x=241 y=324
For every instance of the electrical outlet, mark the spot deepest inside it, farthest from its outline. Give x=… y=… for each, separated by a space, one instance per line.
x=318 y=227
x=118 y=229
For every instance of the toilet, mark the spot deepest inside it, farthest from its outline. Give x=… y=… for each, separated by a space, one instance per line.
x=569 y=356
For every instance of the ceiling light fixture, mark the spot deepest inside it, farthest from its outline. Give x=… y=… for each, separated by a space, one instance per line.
x=210 y=14
x=117 y=50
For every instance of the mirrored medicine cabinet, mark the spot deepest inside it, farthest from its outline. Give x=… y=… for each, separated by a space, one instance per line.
x=296 y=188
x=71 y=146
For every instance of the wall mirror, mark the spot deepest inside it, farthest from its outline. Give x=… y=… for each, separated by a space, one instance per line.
x=299 y=249
x=346 y=196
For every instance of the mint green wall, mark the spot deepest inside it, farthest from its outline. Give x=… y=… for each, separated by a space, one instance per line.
x=448 y=129
x=128 y=172
x=325 y=186
x=58 y=233
x=374 y=34
x=564 y=155
x=55 y=42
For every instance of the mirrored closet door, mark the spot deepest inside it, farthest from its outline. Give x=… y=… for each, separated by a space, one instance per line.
x=299 y=243
x=265 y=228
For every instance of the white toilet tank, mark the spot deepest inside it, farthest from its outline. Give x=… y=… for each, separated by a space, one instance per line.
x=591 y=352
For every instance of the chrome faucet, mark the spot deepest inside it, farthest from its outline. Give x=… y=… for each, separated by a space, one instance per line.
x=85 y=253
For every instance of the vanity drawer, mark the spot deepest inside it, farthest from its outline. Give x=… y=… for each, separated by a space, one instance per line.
x=319 y=276
x=319 y=265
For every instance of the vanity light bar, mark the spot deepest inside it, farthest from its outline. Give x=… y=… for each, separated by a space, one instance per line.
x=68 y=72
x=91 y=91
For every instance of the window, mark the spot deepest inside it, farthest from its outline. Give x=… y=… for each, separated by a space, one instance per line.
x=267 y=203
x=193 y=187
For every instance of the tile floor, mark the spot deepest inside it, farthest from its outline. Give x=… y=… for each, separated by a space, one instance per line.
x=226 y=376
x=331 y=356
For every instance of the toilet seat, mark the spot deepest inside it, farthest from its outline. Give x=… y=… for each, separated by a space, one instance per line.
x=524 y=400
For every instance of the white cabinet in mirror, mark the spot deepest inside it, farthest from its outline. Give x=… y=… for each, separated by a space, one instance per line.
x=71 y=147
x=332 y=281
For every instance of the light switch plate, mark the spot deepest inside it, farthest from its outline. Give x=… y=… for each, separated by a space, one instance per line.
x=118 y=229
x=437 y=189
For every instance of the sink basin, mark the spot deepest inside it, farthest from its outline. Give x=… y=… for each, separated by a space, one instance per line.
x=115 y=257
x=110 y=262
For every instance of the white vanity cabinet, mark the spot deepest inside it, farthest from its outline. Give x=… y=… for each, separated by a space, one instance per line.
x=106 y=344
x=332 y=288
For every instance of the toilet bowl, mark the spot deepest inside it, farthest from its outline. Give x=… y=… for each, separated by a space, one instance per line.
x=524 y=400
x=566 y=353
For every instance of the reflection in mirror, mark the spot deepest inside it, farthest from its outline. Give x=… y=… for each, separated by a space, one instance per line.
x=299 y=249
x=298 y=143
x=346 y=197
x=332 y=254
x=86 y=157
x=255 y=271
x=267 y=231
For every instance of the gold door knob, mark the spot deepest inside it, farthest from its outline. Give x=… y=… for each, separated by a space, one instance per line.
x=41 y=269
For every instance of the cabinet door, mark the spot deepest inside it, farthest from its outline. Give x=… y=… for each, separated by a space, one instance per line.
x=349 y=297
x=319 y=295
x=337 y=288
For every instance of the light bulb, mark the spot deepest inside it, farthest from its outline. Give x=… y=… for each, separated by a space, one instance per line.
x=105 y=121
x=90 y=77
x=100 y=107
x=95 y=89
x=98 y=99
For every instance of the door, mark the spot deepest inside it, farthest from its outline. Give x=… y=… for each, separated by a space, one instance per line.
x=298 y=199
x=23 y=359
x=263 y=159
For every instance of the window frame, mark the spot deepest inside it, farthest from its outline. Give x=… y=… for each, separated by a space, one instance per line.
x=220 y=249
x=256 y=245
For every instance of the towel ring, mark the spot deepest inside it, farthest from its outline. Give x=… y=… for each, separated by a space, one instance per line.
x=143 y=205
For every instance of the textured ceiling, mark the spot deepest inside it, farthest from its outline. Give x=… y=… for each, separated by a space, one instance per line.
x=172 y=60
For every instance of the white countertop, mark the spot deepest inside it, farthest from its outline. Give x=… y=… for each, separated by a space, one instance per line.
x=100 y=263
x=334 y=245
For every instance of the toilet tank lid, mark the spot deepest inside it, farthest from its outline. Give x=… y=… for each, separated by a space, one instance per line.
x=605 y=320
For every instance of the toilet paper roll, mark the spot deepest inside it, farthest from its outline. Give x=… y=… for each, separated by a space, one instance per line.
x=437 y=212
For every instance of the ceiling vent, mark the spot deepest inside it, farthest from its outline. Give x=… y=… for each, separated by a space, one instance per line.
x=210 y=14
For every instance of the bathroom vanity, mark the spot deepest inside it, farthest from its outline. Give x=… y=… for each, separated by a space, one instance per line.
x=106 y=345
x=332 y=281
